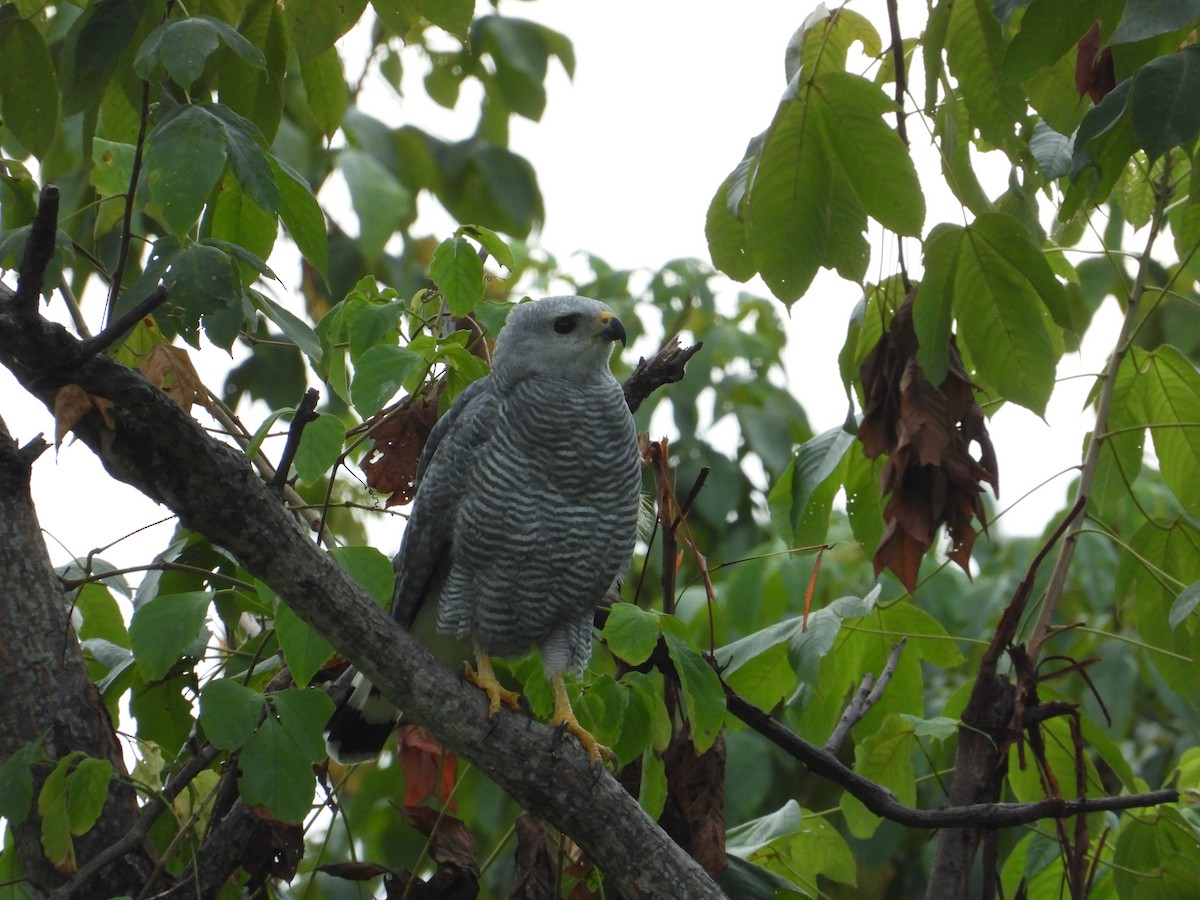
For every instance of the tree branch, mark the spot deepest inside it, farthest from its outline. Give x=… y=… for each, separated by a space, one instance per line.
x=665 y=367
x=39 y=247
x=865 y=698
x=883 y=802
x=159 y=449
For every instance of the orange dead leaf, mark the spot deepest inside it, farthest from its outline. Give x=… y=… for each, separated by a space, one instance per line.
x=1094 y=72
x=429 y=771
x=171 y=369
x=71 y=404
x=926 y=432
x=391 y=464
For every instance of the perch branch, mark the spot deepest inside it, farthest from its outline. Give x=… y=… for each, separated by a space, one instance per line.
x=665 y=367
x=864 y=699
x=305 y=413
x=39 y=247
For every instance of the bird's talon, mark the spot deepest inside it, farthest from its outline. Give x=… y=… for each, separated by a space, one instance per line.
x=485 y=679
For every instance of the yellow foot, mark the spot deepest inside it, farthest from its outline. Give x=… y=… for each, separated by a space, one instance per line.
x=563 y=718
x=484 y=678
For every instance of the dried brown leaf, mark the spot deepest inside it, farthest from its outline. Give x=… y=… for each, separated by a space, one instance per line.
x=429 y=771
x=1094 y=71
x=71 y=404
x=170 y=369
x=927 y=433
x=391 y=464
x=694 y=814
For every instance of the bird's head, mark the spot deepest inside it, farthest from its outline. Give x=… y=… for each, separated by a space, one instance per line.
x=567 y=337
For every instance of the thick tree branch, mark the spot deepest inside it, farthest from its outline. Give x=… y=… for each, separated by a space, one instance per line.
x=39 y=247
x=159 y=449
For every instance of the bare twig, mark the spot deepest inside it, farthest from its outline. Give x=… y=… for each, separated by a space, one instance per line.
x=124 y=322
x=865 y=698
x=665 y=367
x=114 y=286
x=306 y=412
x=882 y=802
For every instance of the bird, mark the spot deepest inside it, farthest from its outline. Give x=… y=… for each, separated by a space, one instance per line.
x=524 y=517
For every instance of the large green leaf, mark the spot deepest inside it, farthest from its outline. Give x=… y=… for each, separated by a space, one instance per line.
x=383 y=205
x=325 y=87
x=302 y=215
x=28 y=86
x=1155 y=856
x=320 y=447
x=1103 y=144
x=1120 y=458
x=975 y=51
x=1162 y=102
x=1167 y=559
x=1003 y=294
x=379 y=374
x=1170 y=391
x=229 y=712
x=181 y=48
x=316 y=24
x=93 y=46
x=457 y=270
x=1149 y=18
x=701 y=687
x=801 y=500
x=185 y=155
x=162 y=629
x=201 y=283
x=1049 y=30
x=253 y=91
x=885 y=757
x=276 y=763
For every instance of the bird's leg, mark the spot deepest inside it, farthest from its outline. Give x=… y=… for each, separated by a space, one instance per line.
x=564 y=717
x=484 y=678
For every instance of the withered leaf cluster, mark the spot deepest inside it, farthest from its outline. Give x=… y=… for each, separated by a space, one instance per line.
x=926 y=432
x=391 y=465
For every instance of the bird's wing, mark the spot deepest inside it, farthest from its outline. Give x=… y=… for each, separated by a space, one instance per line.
x=442 y=480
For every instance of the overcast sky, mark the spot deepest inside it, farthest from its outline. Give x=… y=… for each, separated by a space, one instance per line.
x=665 y=97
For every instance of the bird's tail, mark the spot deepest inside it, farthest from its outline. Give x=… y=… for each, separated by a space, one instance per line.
x=360 y=725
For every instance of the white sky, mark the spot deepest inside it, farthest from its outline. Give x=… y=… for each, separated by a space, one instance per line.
x=665 y=98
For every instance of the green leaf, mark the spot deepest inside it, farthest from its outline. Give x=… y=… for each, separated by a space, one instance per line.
x=254 y=91
x=28 y=86
x=200 y=282
x=162 y=629
x=87 y=789
x=1185 y=604
x=379 y=374
x=52 y=809
x=749 y=838
x=293 y=327
x=702 y=691
x=370 y=569
x=248 y=157
x=242 y=228
x=801 y=500
x=275 y=774
x=185 y=155
x=1049 y=30
x=940 y=728
x=320 y=447
x=1162 y=102
x=453 y=16
x=302 y=215
x=491 y=242
x=181 y=48
x=399 y=16
x=383 y=205
x=822 y=46
x=457 y=270
x=975 y=53
x=631 y=632
x=1155 y=855
x=16 y=782
x=1149 y=18
x=316 y=24
x=1170 y=390
x=870 y=153
x=1173 y=548
x=94 y=44
x=885 y=757
x=112 y=167
x=725 y=231
x=1103 y=144
x=1004 y=291
x=652 y=792
x=229 y=712
x=325 y=87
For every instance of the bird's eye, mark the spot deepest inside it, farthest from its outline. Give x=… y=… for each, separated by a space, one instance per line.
x=565 y=324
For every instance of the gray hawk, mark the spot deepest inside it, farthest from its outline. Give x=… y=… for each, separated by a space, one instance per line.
x=525 y=515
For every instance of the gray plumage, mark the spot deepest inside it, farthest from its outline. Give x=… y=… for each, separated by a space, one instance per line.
x=527 y=497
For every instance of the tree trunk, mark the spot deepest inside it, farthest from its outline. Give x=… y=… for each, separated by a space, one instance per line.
x=47 y=691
